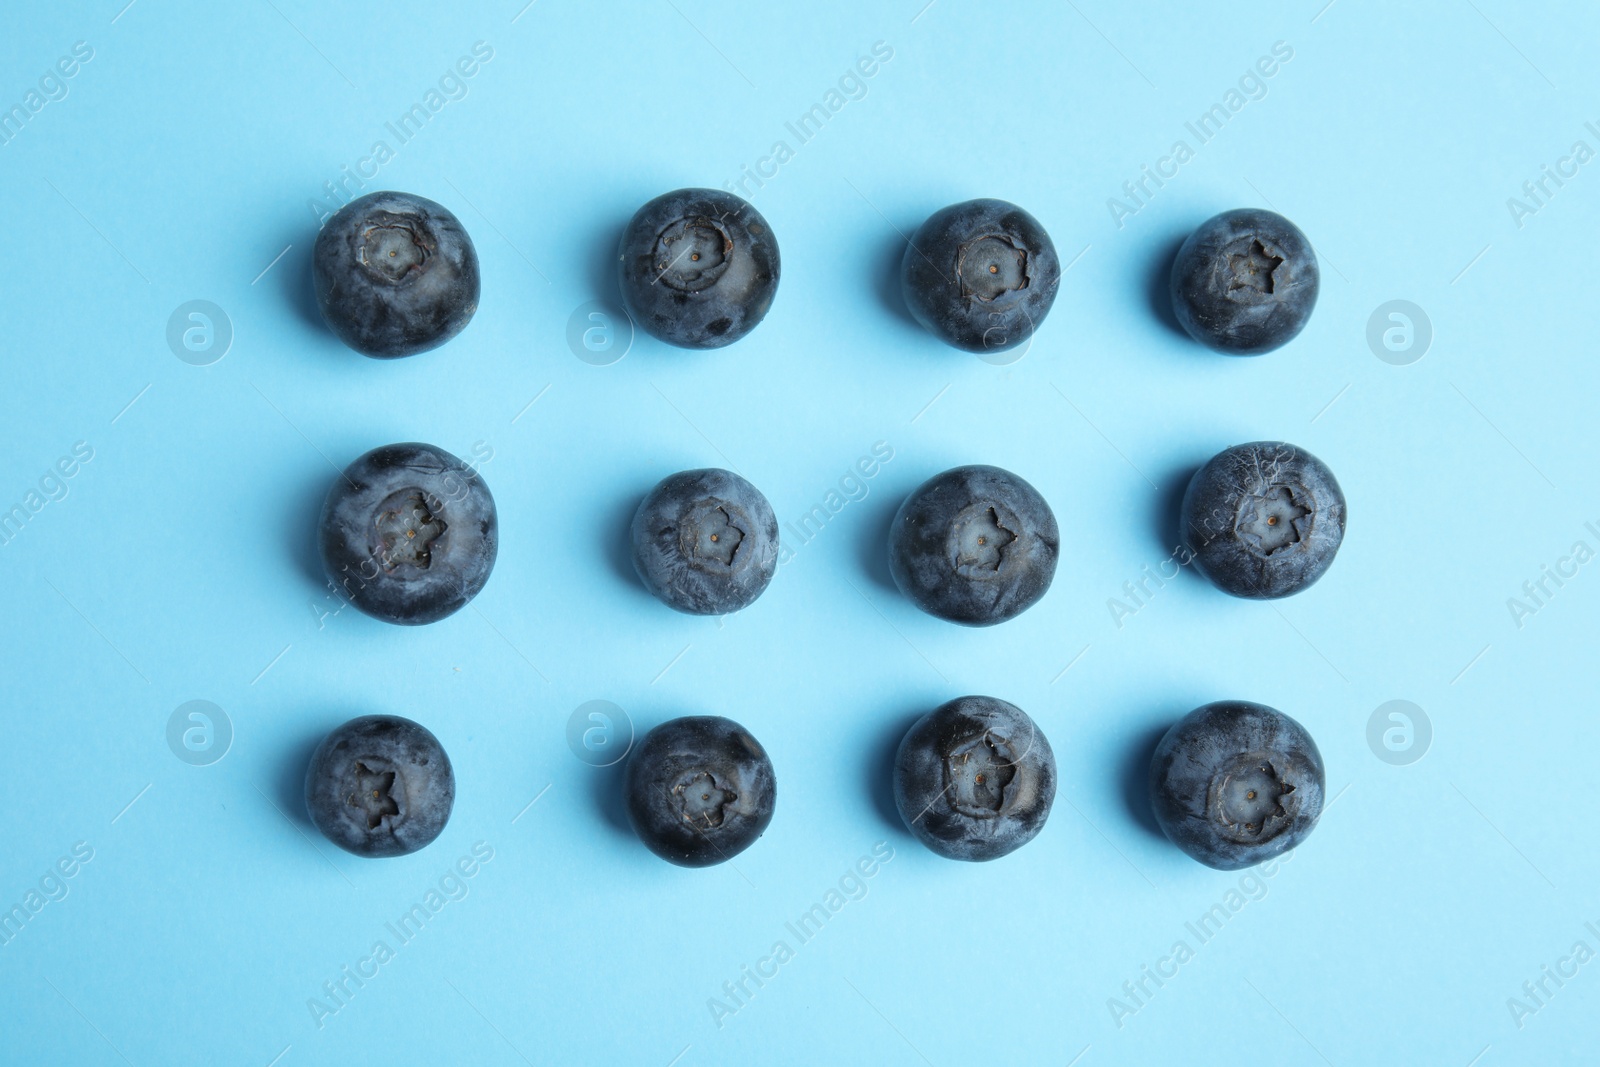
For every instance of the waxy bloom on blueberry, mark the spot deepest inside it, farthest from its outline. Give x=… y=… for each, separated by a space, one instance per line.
x=698 y=268
x=700 y=790
x=395 y=275
x=974 y=545
x=974 y=779
x=408 y=533
x=1263 y=520
x=705 y=542
x=1245 y=282
x=380 y=785
x=1235 y=783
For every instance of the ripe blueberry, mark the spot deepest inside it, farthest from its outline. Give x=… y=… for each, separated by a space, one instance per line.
x=395 y=275
x=408 y=533
x=698 y=268
x=1245 y=282
x=1235 y=783
x=980 y=275
x=1263 y=520
x=700 y=790
x=705 y=542
x=380 y=785
x=974 y=545
x=974 y=779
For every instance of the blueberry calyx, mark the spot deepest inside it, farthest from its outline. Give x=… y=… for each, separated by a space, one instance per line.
x=992 y=265
x=407 y=528
x=711 y=535
x=978 y=774
x=1251 y=799
x=391 y=248
x=1272 y=520
x=980 y=537
x=703 y=801
x=1251 y=268
x=692 y=253
x=374 y=793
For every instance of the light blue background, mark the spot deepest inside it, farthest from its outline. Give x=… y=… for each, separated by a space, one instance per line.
x=179 y=565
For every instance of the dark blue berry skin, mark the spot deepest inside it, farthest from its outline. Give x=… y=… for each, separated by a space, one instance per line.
x=1263 y=520
x=1245 y=282
x=380 y=785
x=698 y=268
x=700 y=790
x=980 y=275
x=974 y=779
x=1234 y=784
x=975 y=545
x=395 y=275
x=705 y=542
x=408 y=533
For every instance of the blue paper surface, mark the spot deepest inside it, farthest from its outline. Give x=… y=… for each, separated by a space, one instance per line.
x=165 y=462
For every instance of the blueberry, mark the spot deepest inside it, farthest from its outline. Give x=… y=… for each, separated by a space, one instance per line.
x=1245 y=282
x=698 y=268
x=380 y=785
x=1263 y=520
x=705 y=542
x=700 y=790
x=1235 y=783
x=974 y=545
x=980 y=275
x=395 y=275
x=408 y=533
x=974 y=779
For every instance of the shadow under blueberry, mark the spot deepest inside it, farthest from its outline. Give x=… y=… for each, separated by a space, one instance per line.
x=1135 y=775
x=879 y=772
x=601 y=266
x=606 y=791
x=872 y=543
x=886 y=263
x=1158 y=284
x=1166 y=521
x=619 y=545
x=303 y=521
x=294 y=281
x=289 y=788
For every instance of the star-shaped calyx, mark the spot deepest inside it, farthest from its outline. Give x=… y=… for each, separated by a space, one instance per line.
x=702 y=801
x=980 y=539
x=1253 y=268
x=374 y=794
x=407 y=530
x=1251 y=794
x=1271 y=521
x=713 y=536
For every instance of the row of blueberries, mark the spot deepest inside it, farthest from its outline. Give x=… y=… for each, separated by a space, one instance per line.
x=1232 y=784
x=397 y=274
x=409 y=532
